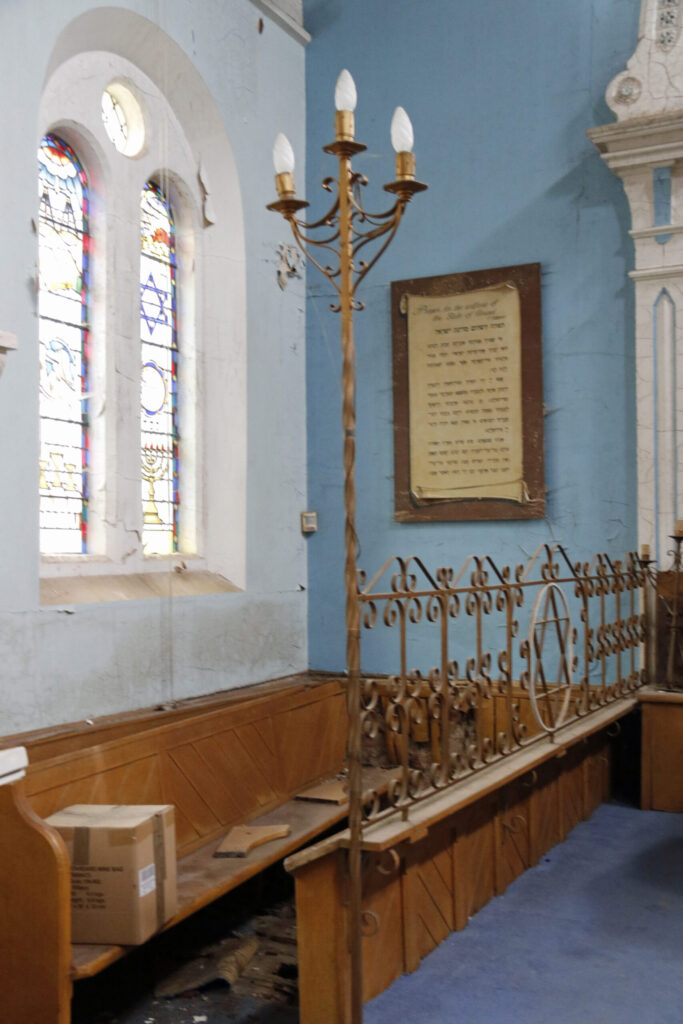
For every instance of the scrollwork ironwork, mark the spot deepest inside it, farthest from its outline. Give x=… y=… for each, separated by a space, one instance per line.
x=440 y=725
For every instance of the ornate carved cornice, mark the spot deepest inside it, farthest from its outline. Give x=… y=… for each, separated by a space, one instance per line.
x=653 y=79
x=654 y=140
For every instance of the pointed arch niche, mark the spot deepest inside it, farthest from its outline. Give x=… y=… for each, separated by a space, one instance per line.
x=645 y=149
x=185 y=150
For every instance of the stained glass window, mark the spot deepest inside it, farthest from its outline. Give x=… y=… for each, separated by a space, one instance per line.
x=63 y=246
x=114 y=120
x=159 y=375
x=123 y=119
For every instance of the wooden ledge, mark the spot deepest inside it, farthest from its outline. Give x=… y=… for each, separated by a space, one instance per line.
x=70 y=737
x=393 y=830
x=656 y=696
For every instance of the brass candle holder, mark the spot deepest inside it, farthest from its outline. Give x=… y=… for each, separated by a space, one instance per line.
x=674 y=626
x=346 y=229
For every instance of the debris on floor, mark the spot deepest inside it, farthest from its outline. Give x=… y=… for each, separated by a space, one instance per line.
x=261 y=965
x=272 y=974
x=223 y=961
x=231 y=963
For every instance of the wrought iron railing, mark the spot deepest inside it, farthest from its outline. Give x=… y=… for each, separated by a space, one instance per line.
x=551 y=642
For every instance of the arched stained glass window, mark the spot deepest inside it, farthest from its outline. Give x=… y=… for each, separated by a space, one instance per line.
x=159 y=376
x=63 y=245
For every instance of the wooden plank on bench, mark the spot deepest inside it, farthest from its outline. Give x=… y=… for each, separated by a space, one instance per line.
x=242 y=839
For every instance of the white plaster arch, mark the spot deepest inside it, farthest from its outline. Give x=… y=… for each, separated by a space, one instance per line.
x=187 y=148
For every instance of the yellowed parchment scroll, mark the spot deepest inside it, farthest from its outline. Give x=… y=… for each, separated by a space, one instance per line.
x=465 y=395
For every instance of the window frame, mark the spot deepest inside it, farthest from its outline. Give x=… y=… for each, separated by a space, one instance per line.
x=211 y=243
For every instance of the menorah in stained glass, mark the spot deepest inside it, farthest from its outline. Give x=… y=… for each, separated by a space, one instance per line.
x=154 y=462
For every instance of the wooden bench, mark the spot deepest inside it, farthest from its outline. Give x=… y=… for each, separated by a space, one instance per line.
x=220 y=761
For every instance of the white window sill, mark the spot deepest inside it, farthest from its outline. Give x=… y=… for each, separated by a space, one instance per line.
x=163 y=581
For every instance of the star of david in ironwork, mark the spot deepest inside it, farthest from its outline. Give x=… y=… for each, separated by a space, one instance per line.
x=156 y=297
x=552 y=636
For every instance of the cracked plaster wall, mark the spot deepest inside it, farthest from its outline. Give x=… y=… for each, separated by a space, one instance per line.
x=63 y=664
x=500 y=96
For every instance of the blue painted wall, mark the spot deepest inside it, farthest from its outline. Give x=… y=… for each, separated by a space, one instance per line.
x=500 y=95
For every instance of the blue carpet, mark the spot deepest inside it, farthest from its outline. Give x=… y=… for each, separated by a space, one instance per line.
x=593 y=935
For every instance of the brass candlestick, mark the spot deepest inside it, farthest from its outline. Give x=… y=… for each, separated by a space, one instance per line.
x=674 y=627
x=347 y=228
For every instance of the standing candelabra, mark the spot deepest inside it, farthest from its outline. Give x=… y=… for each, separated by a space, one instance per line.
x=674 y=611
x=345 y=230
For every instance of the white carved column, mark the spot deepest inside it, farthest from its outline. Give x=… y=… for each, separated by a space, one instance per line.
x=645 y=149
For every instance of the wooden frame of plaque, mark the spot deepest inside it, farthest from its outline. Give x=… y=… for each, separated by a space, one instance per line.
x=523 y=497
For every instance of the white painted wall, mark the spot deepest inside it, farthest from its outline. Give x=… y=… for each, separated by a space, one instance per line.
x=64 y=664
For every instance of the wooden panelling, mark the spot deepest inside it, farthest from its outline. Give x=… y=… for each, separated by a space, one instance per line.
x=662 y=752
x=310 y=742
x=258 y=739
x=228 y=758
x=544 y=811
x=485 y=844
x=219 y=768
x=138 y=782
x=322 y=930
x=207 y=786
x=513 y=836
x=322 y=942
x=571 y=789
x=187 y=798
x=596 y=774
x=383 y=960
x=43 y=744
x=428 y=899
x=474 y=859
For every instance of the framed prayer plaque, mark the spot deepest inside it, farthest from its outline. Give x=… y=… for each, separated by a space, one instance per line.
x=468 y=396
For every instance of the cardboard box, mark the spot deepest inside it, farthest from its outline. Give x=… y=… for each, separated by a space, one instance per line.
x=123 y=870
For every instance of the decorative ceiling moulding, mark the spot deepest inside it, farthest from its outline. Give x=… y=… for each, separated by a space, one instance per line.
x=645 y=149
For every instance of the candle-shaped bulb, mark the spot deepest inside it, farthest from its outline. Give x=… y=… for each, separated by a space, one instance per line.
x=678 y=528
x=283 y=155
x=401 y=132
x=345 y=95
x=645 y=552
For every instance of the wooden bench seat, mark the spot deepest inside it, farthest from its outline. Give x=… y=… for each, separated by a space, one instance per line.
x=222 y=761
x=203 y=878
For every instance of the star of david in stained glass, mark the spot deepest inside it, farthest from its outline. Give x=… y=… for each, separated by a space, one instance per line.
x=153 y=301
x=159 y=375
